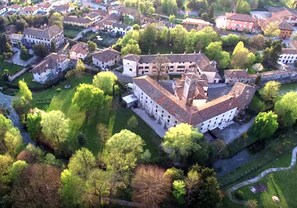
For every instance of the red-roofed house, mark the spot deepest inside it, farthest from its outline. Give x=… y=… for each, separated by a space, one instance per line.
x=240 y=22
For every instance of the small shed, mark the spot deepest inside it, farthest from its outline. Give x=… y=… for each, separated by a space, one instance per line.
x=130 y=100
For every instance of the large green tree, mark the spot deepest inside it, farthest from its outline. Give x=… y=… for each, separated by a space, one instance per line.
x=265 y=125
x=178 y=36
x=55 y=127
x=148 y=39
x=181 y=141
x=82 y=162
x=105 y=81
x=123 y=151
x=56 y=19
x=270 y=91
x=88 y=97
x=202 y=188
x=286 y=109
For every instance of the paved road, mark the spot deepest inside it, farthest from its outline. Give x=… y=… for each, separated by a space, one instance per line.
x=15 y=59
x=259 y=177
x=6 y=102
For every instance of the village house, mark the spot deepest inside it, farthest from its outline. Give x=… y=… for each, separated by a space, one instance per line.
x=16 y=39
x=240 y=22
x=285 y=28
x=45 y=36
x=78 y=21
x=125 y=11
x=3 y=9
x=29 y=10
x=196 y=24
x=287 y=14
x=176 y=64
x=64 y=9
x=44 y=7
x=169 y=110
x=120 y=29
x=14 y=8
x=288 y=56
x=106 y=58
x=236 y=75
x=50 y=67
x=79 y=51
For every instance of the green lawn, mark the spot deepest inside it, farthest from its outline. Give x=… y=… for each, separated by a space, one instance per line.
x=264 y=159
x=71 y=33
x=28 y=78
x=281 y=184
x=12 y=68
x=111 y=118
x=288 y=87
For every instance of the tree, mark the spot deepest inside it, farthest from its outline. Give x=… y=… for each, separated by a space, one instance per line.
x=230 y=40
x=286 y=109
x=88 y=97
x=178 y=36
x=20 y=25
x=252 y=203
x=5 y=47
x=80 y=67
x=92 y=46
x=55 y=127
x=17 y=169
x=179 y=191
x=271 y=55
x=151 y=187
x=105 y=81
x=56 y=19
x=161 y=67
x=272 y=29
x=215 y=52
x=241 y=57
x=238 y=47
x=35 y=193
x=181 y=141
x=169 y=6
x=123 y=151
x=40 y=50
x=265 y=125
x=13 y=141
x=25 y=93
x=97 y=186
x=270 y=91
x=132 y=122
x=243 y=6
x=24 y=53
x=175 y=174
x=33 y=123
x=72 y=189
x=132 y=47
x=171 y=19
x=257 y=42
x=148 y=38
x=5 y=125
x=202 y=188
x=82 y=162
x=5 y=163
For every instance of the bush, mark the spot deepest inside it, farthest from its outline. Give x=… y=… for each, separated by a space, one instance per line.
x=58 y=89
x=239 y=195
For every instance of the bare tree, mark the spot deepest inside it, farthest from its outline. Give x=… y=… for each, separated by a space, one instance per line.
x=161 y=67
x=150 y=186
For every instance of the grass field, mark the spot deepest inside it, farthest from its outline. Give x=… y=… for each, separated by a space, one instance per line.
x=28 y=78
x=12 y=68
x=109 y=119
x=281 y=184
x=71 y=33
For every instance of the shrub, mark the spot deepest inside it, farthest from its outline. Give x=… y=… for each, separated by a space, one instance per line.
x=58 y=89
x=239 y=195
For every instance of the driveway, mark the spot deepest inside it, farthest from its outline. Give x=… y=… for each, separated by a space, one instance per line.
x=15 y=59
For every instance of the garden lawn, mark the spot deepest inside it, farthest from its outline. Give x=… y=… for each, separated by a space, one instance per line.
x=12 y=68
x=288 y=87
x=109 y=119
x=71 y=33
x=28 y=78
x=281 y=184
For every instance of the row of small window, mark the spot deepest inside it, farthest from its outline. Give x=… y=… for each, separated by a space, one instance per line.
x=289 y=57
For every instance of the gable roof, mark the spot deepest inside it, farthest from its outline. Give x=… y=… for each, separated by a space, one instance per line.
x=239 y=97
x=46 y=33
x=80 y=47
x=241 y=17
x=107 y=54
x=51 y=61
x=235 y=73
x=282 y=12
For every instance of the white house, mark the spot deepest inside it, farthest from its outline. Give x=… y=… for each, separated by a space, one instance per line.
x=121 y=28
x=45 y=36
x=78 y=21
x=168 y=110
x=106 y=58
x=3 y=9
x=52 y=65
x=79 y=51
x=136 y=65
x=288 y=56
x=44 y=7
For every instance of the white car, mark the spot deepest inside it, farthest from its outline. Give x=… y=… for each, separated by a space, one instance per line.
x=129 y=86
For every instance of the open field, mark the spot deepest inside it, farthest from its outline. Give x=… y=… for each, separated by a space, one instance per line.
x=109 y=119
x=28 y=78
x=71 y=33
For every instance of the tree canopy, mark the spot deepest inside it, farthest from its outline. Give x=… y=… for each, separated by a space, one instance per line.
x=105 y=81
x=286 y=109
x=265 y=125
x=270 y=91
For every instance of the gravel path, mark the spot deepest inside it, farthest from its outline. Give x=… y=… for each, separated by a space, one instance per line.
x=259 y=177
